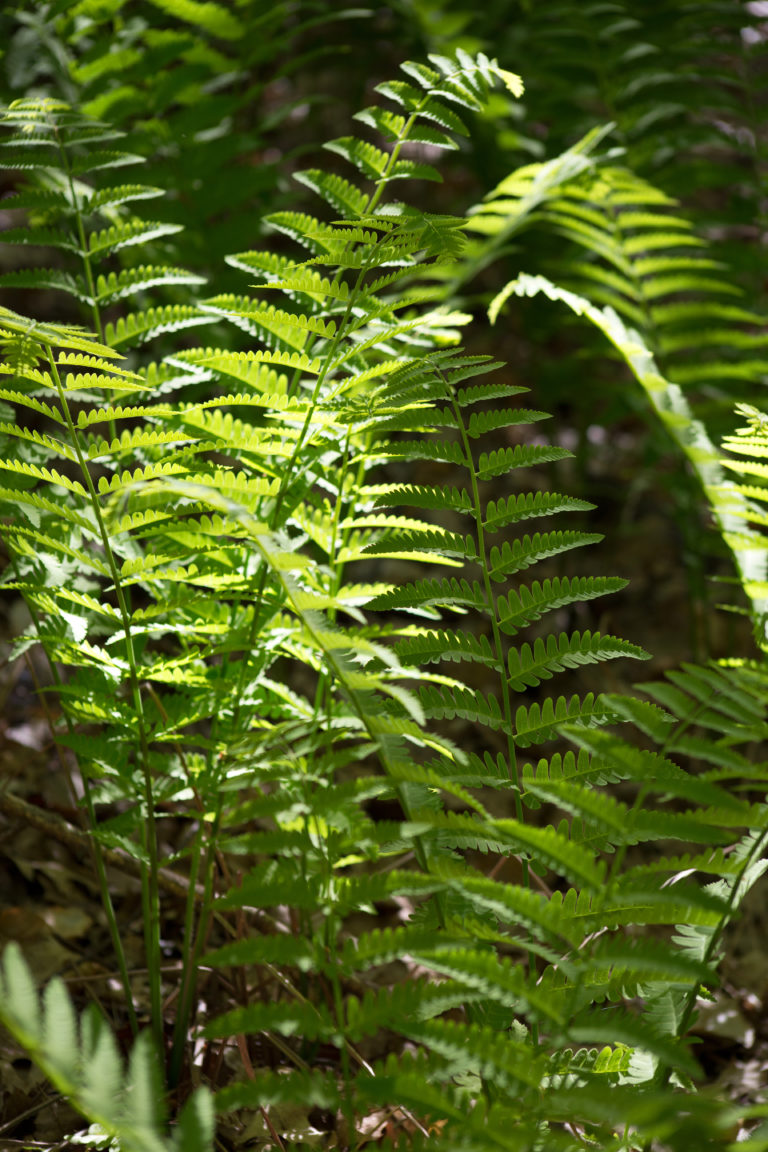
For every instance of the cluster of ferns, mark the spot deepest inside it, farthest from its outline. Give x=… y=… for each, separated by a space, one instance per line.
x=286 y=550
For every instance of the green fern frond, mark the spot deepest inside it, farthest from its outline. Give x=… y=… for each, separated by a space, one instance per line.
x=448 y=702
x=446 y=645
x=118 y=285
x=525 y=604
x=538 y=723
x=526 y=505
x=656 y=770
x=419 y=496
x=335 y=190
x=528 y=550
x=425 y=594
x=200 y=608
x=315 y=1087
x=495 y=979
x=569 y=767
x=137 y=327
x=503 y=460
x=668 y=401
x=313 y=1022
x=439 y=540
x=81 y=1058
x=127 y=233
x=528 y=666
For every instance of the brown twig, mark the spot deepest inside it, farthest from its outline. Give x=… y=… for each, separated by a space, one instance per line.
x=243 y=1047
x=78 y=841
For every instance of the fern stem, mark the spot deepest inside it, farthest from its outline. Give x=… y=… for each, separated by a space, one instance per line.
x=287 y=476
x=193 y=944
x=384 y=179
x=95 y=312
x=93 y=840
x=193 y=940
x=149 y=874
x=758 y=848
x=491 y=606
x=338 y=1008
x=664 y=1071
x=498 y=647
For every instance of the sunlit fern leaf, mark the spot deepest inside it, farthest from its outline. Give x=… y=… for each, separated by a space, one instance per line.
x=230 y=518
x=502 y=460
x=335 y=190
x=137 y=327
x=657 y=770
x=428 y=593
x=673 y=409
x=525 y=506
x=446 y=645
x=421 y=496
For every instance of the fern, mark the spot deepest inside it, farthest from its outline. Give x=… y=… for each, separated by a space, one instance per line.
x=636 y=268
x=82 y=1060
x=179 y=72
x=60 y=142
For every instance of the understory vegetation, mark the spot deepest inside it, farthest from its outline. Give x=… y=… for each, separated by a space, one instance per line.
x=393 y=842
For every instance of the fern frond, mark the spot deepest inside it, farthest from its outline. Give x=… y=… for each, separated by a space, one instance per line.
x=117 y=285
x=419 y=496
x=528 y=666
x=448 y=702
x=502 y=460
x=335 y=190
x=527 y=505
x=446 y=645
x=538 y=723
x=127 y=233
x=525 y=604
x=137 y=327
x=424 y=594
x=81 y=1058
x=528 y=550
x=670 y=404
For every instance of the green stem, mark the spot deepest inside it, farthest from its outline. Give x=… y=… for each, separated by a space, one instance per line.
x=150 y=887
x=194 y=943
x=84 y=253
x=95 y=843
x=498 y=647
x=664 y=1071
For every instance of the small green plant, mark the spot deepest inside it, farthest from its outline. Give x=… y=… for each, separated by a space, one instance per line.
x=210 y=547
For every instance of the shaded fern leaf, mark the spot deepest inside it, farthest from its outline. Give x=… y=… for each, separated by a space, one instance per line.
x=528 y=666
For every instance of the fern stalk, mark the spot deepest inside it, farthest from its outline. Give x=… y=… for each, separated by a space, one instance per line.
x=194 y=942
x=498 y=647
x=95 y=845
x=149 y=874
x=84 y=253
x=286 y=478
